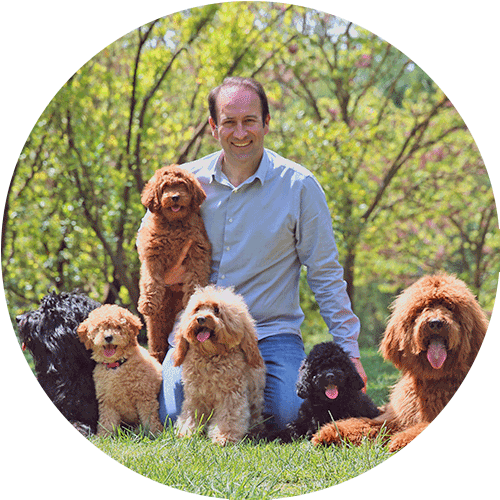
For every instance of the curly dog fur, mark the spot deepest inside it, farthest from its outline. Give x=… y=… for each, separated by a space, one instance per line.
x=433 y=336
x=223 y=372
x=173 y=197
x=331 y=387
x=127 y=378
x=63 y=366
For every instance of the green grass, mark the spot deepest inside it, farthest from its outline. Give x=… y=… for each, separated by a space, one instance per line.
x=252 y=470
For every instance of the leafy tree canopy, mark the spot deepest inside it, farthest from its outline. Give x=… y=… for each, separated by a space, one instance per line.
x=408 y=190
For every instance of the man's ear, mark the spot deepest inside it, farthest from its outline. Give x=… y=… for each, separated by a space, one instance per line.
x=215 y=129
x=266 y=124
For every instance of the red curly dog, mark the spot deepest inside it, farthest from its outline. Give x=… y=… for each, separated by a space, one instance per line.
x=173 y=197
x=433 y=337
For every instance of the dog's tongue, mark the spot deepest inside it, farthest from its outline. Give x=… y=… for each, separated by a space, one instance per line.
x=175 y=208
x=436 y=353
x=203 y=335
x=109 y=351
x=331 y=392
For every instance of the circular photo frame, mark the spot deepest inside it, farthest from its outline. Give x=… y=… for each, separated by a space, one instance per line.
x=309 y=236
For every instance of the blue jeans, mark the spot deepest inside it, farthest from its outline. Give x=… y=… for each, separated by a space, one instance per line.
x=283 y=355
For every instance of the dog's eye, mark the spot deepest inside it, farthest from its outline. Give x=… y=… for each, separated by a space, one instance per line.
x=216 y=310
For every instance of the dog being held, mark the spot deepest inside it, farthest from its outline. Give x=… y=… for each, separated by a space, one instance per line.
x=331 y=389
x=63 y=366
x=173 y=197
x=223 y=373
x=433 y=336
x=127 y=378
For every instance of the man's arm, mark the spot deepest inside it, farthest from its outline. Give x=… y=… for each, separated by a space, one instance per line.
x=318 y=252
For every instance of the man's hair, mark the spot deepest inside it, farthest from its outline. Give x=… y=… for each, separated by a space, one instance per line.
x=238 y=81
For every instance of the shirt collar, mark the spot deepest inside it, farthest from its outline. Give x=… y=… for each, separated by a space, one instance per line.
x=216 y=174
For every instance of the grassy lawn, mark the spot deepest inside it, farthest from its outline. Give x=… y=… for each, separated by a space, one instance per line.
x=249 y=470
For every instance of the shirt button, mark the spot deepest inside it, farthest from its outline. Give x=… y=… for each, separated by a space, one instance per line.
x=230 y=220
x=228 y=248
x=223 y=277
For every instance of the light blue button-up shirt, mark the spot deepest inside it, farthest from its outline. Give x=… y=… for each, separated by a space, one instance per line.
x=262 y=232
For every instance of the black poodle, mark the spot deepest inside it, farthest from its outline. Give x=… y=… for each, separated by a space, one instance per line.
x=62 y=364
x=331 y=388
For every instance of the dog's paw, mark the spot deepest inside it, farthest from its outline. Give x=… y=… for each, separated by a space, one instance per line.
x=224 y=439
x=317 y=439
x=185 y=429
x=146 y=308
x=104 y=432
x=400 y=439
x=326 y=435
x=397 y=442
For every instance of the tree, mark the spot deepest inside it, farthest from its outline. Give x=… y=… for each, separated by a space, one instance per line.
x=380 y=136
x=376 y=126
x=138 y=104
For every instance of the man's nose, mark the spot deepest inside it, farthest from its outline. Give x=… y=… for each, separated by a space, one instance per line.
x=239 y=130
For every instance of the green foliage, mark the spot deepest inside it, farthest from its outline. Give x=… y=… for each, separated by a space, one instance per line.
x=404 y=180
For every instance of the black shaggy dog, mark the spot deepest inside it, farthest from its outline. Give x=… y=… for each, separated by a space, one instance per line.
x=62 y=364
x=331 y=388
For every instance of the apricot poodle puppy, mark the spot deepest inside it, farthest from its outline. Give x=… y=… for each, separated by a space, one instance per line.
x=223 y=373
x=173 y=197
x=127 y=378
x=433 y=336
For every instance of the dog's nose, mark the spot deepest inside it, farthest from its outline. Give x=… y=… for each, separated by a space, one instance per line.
x=201 y=320
x=176 y=198
x=436 y=324
x=108 y=338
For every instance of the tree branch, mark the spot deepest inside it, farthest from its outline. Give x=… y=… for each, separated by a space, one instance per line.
x=415 y=135
x=116 y=257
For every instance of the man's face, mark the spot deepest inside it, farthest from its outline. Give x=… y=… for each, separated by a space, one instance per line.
x=240 y=130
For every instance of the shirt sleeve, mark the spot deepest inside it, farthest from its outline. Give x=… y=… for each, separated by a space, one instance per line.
x=143 y=221
x=318 y=252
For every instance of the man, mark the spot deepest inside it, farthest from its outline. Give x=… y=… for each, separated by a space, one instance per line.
x=266 y=217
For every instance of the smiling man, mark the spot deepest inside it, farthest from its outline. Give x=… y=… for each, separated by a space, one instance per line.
x=239 y=125
x=266 y=217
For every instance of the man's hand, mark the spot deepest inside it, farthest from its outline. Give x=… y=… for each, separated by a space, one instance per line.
x=174 y=277
x=359 y=367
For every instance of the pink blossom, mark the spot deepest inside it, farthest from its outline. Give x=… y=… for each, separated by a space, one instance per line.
x=364 y=61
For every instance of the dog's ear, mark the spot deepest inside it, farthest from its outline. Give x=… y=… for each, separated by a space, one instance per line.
x=248 y=343
x=181 y=349
x=400 y=322
x=391 y=344
x=303 y=386
x=354 y=379
x=136 y=323
x=133 y=326
x=82 y=332
x=473 y=327
x=150 y=196
x=181 y=343
x=197 y=193
x=250 y=348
